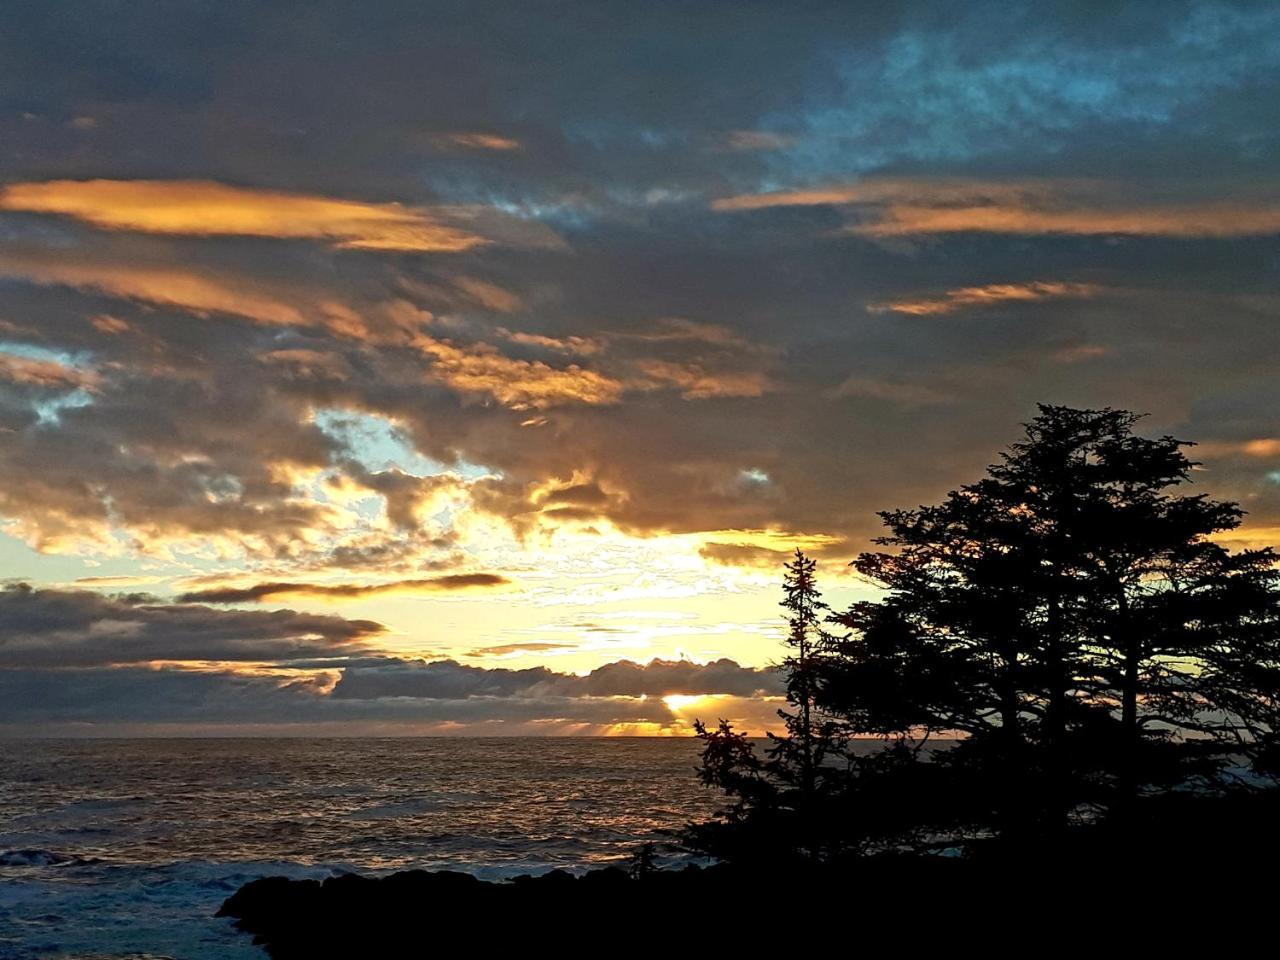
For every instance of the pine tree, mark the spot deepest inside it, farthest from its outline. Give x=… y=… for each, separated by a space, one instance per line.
x=810 y=739
x=784 y=800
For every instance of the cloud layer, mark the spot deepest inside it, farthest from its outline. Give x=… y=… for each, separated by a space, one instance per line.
x=207 y=209
x=56 y=628
x=402 y=301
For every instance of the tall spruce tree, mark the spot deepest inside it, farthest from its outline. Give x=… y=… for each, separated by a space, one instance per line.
x=810 y=739
x=1124 y=549
x=791 y=789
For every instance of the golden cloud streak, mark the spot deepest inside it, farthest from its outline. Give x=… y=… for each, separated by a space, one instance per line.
x=958 y=299
x=1195 y=220
x=697 y=383
x=1249 y=537
x=908 y=207
x=520 y=384
x=207 y=208
x=478 y=141
x=48 y=374
x=161 y=285
x=1262 y=447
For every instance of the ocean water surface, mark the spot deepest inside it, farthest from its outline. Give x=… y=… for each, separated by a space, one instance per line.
x=126 y=848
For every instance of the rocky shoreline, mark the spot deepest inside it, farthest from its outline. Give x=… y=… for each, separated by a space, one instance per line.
x=414 y=912
x=1115 y=871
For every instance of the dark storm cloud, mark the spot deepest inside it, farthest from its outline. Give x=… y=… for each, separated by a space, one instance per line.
x=673 y=360
x=79 y=628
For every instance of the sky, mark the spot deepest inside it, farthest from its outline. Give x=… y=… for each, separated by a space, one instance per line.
x=454 y=368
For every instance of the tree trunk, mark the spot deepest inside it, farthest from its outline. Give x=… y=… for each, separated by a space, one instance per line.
x=1059 y=803
x=1011 y=801
x=1129 y=729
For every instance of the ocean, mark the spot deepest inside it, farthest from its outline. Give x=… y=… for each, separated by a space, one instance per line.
x=126 y=848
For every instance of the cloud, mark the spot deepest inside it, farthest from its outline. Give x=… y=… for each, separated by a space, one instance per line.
x=44 y=374
x=447 y=680
x=898 y=207
x=132 y=701
x=752 y=140
x=345 y=591
x=744 y=555
x=489 y=295
x=206 y=208
x=662 y=353
x=1224 y=219
x=371 y=695
x=168 y=285
x=80 y=628
x=507 y=649
x=906 y=394
x=697 y=383
x=519 y=384
x=120 y=580
x=1259 y=447
x=990 y=294
x=477 y=141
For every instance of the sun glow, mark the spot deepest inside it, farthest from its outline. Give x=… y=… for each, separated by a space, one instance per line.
x=679 y=701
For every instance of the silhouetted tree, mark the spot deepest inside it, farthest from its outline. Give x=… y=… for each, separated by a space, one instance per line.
x=643 y=862
x=791 y=788
x=1069 y=622
x=953 y=646
x=811 y=740
x=1069 y=616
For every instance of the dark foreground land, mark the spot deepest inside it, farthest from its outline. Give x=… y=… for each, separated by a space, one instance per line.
x=1204 y=871
x=420 y=913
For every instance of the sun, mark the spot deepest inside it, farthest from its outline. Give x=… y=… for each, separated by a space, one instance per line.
x=678 y=701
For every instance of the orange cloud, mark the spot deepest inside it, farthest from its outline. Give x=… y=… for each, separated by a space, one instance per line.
x=953 y=300
x=1193 y=220
x=489 y=295
x=204 y=292
x=581 y=346
x=105 y=323
x=1249 y=537
x=895 y=207
x=520 y=384
x=697 y=383
x=161 y=285
x=478 y=141
x=206 y=208
x=31 y=372
x=1269 y=447
x=1261 y=447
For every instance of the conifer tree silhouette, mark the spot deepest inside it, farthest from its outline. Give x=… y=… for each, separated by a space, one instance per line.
x=1072 y=618
x=1070 y=623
